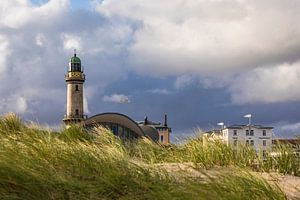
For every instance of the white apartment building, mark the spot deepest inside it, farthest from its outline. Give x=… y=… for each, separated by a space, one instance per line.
x=260 y=137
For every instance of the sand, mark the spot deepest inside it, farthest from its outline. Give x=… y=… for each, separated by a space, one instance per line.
x=289 y=184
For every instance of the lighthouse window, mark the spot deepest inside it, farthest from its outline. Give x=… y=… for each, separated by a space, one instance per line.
x=75 y=67
x=77 y=112
x=76 y=88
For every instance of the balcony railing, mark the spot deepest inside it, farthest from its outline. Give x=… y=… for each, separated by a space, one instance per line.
x=75 y=117
x=68 y=77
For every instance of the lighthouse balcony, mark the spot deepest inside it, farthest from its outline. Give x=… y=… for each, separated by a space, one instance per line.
x=74 y=117
x=72 y=76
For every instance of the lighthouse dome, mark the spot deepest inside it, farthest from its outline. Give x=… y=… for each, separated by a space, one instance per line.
x=75 y=59
x=75 y=64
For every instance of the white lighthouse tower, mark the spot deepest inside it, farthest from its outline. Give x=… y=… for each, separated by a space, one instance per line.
x=74 y=79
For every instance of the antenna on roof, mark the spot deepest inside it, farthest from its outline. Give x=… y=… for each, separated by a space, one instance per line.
x=166 y=120
x=222 y=125
x=249 y=116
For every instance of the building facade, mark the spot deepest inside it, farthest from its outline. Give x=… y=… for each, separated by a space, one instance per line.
x=257 y=136
x=120 y=124
x=162 y=129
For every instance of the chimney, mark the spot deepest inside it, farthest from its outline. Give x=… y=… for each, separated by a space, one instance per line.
x=166 y=120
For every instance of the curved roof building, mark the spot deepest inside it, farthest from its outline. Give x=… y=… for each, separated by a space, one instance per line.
x=120 y=124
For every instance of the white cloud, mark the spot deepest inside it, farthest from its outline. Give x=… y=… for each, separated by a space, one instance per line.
x=4 y=52
x=183 y=81
x=18 y=13
x=86 y=106
x=267 y=85
x=117 y=98
x=72 y=42
x=199 y=36
x=21 y=105
x=13 y=104
x=160 y=91
x=40 y=39
x=287 y=129
x=291 y=127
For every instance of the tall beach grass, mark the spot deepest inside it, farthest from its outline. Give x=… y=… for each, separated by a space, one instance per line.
x=38 y=163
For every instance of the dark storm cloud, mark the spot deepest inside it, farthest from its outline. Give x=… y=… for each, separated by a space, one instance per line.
x=195 y=106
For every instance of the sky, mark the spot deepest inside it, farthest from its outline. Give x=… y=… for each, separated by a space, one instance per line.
x=200 y=61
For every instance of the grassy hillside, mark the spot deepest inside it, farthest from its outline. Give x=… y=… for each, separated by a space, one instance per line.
x=76 y=164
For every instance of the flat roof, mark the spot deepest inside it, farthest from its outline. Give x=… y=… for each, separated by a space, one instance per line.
x=252 y=126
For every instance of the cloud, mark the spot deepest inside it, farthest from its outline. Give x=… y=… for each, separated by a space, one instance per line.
x=160 y=91
x=18 y=13
x=117 y=98
x=72 y=42
x=284 y=129
x=292 y=127
x=267 y=85
x=4 y=52
x=40 y=40
x=86 y=106
x=182 y=37
x=183 y=81
x=249 y=48
x=14 y=104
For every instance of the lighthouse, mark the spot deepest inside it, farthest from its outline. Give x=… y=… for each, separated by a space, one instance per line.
x=74 y=80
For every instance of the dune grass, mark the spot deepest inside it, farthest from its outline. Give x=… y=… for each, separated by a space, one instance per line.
x=77 y=164
x=209 y=153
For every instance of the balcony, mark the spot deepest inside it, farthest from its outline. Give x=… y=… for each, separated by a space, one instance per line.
x=75 y=77
x=75 y=117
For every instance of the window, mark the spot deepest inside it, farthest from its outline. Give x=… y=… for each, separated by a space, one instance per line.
x=252 y=132
x=114 y=129
x=264 y=153
x=75 y=67
x=264 y=132
x=120 y=131
x=247 y=142
x=247 y=132
x=264 y=142
x=234 y=132
x=76 y=112
x=125 y=132
x=161 y=138
x=76 y=88
x=235 y=142
x=252 y=142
